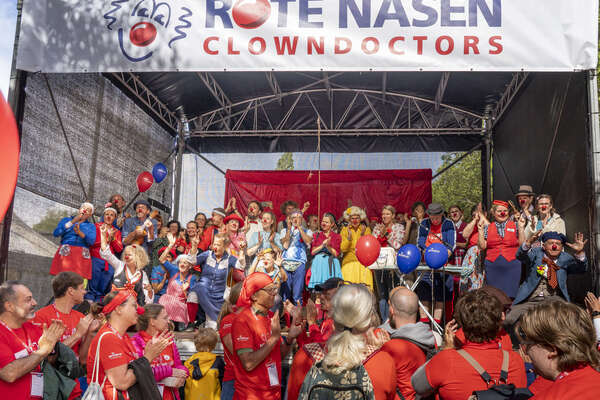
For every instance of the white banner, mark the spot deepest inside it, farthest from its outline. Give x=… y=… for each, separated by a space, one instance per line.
x=245 y=35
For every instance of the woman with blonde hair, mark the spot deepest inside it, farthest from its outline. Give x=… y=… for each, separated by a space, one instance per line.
x=559 y=338
x=130 y=270
x=390 y=236
x=352 y=269
x=350 y=358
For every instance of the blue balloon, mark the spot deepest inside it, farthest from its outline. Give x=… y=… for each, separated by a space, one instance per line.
x=159 y=172
x=408 y=258
x=436 y=255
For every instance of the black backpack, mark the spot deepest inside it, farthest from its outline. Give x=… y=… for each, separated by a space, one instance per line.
x=497 y=390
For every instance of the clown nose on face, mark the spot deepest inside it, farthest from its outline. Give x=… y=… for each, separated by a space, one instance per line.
x=554 y=247
x=142 y=34
x=140 y=310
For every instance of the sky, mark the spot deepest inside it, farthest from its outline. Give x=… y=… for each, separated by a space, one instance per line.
x=8 y=20
x=198 y=174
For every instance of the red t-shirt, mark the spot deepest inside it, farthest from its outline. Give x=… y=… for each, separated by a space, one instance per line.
x=49 y=313
x=16 y=344
x=464 y=379
x=224 y=330
x=317 y=333
x=435 y=235
x=115 y=350
x=407 y=357
x=580 y=384
x=539 y=385
x=251 y=331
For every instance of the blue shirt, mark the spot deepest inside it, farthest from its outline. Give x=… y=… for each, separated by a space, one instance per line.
x=297 y=249
x=266 y=244
x=129 y=226
x=68 y=235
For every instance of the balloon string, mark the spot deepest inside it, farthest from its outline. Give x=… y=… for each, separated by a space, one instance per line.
x=319 y=166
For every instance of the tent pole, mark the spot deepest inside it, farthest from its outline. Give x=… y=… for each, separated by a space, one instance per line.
x=486 y=172
x=178 y=170
x=191 y=150
x=459 y=159
x=594 y=128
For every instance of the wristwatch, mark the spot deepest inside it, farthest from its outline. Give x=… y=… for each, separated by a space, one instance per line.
x=595 y=314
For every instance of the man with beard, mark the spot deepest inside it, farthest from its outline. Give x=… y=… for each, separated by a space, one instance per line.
x=23 y=346
x=548 y=267
x=140 y=228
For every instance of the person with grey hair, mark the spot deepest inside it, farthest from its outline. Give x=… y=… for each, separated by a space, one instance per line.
x=23 y=346
x=179 y=292
x=76 y=236
x=350 y=357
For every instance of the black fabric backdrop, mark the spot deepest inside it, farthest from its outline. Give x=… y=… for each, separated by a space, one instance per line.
x=552 y=107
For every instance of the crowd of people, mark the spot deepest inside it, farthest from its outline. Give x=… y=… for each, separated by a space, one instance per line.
x=296 y=313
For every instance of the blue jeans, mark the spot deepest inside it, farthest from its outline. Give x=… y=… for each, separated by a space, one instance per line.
x=293 y=287
x=227 y=390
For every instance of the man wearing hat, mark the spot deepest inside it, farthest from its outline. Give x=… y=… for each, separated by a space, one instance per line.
x=140 y=228
x=524 y=197
x=218 y=214
x=436 y=229
x=547 y=268
x=320 y=330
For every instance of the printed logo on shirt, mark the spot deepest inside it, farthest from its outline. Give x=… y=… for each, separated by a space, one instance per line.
x=113 y=355
x=226 y=326
x=242 y=338
x=510 y=229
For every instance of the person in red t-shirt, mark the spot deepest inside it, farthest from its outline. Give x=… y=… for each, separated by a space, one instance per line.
x=320 y=331
x=409 y=339
x=355 y=342
x=559 y=338
x=226 y=317
x=116 y=349
x=68 y=288
x=23 y=346
x=480 y=316
x=257 y=340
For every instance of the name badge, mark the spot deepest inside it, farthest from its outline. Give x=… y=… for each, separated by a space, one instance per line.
x=21 y=354
x=273 y=375
x=510 y=229
x=37 y=384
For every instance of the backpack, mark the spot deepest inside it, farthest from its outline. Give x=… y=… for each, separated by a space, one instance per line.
x=497 y=391
x=353 y=384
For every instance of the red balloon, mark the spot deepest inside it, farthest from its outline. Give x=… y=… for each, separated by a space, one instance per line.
x=9 y=163
x=144 y=181
x=367 y=250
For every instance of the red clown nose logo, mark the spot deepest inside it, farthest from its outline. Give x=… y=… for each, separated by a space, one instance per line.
x=142 y=34
x=251 y=14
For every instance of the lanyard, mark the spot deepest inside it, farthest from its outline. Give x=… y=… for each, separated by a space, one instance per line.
x=126 y=342
x=28 y=346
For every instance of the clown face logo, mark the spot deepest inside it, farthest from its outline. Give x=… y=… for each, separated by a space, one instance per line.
x=251 y=14
x=148 y=25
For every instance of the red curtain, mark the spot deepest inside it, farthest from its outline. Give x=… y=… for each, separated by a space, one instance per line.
x=370 y=190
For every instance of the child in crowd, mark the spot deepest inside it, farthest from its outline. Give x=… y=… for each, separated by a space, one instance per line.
x=206 y=369
x=269 y=262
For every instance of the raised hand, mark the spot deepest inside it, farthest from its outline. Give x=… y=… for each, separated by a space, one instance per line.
x=275 y=326
x=297 y=325
x=51 y=335
x=579 y=243
x=83 y=326
x=591 y=302
x=157 y=344
x=311 y=312
x=522 y=222
x=535 y=237
x=172 y=239
x=78 y=231
x=305 y=206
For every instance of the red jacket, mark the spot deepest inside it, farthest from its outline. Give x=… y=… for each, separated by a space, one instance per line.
x=506 y=247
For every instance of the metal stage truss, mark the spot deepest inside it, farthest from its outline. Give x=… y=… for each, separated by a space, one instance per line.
x=294 y=112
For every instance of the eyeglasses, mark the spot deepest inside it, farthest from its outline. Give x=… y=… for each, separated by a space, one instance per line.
x=272 y=291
